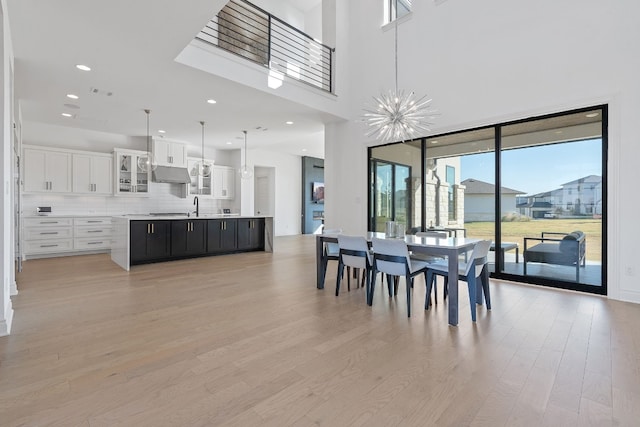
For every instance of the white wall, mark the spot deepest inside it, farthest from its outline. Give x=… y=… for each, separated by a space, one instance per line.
x=6 y=158
x=488 y=62
x=288 y=189
x=284 y=11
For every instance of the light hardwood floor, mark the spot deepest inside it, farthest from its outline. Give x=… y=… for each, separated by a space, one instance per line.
x=247 y=340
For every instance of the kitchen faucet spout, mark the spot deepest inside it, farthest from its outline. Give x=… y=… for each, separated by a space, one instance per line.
x=197 y=203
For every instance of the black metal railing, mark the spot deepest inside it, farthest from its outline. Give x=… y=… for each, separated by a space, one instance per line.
x=248 y=31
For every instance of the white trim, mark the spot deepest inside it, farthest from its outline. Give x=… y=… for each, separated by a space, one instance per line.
x=5 y=324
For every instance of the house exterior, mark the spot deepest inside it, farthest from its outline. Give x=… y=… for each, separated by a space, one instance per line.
x=580 y=197
x=479 y=200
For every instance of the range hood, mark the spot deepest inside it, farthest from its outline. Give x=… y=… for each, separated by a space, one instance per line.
x=171 y=175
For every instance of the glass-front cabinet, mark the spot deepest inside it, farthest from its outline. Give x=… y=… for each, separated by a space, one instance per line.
x=131 y=179
x=200 y=185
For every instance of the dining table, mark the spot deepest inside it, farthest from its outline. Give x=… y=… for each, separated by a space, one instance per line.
x=450 y=247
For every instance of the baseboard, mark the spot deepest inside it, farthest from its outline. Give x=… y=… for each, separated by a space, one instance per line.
x=5 y=324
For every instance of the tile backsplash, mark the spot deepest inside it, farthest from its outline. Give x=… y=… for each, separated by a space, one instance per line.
x=162 y=198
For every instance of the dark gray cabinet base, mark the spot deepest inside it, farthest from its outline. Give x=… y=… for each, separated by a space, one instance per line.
x=156 y=241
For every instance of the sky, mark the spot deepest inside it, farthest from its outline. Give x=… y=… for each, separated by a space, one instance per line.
x=538 y=169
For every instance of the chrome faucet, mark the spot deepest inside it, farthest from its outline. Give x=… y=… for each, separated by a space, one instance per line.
x=195 y=202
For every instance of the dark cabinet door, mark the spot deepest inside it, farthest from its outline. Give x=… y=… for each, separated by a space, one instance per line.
x=221 y=235
x=188 y=237
x=250 y=233
x=149 y=240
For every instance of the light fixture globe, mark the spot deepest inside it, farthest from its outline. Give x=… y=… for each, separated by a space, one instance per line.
x=245 y=171
x=147 y=163
x=203 y=168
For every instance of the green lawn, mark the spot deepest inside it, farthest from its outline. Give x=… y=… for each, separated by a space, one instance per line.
x=516 y=231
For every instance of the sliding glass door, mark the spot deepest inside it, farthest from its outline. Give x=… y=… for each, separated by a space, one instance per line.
x=536 y=188
x=556 y=163
x=392 y=193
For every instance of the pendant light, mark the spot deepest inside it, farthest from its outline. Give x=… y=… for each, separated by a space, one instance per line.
x=147 y=163
x=396 y=116
x=204 y=168
x=245 y=171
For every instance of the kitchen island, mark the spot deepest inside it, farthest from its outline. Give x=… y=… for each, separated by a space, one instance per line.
x=143 y=239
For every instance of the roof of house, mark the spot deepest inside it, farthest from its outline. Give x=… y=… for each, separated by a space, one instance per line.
x=589 y=178
x=475 y=186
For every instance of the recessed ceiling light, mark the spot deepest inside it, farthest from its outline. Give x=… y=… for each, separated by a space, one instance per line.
x=211 y=101
x=67 y=115
x=289 y=123
x=83 y=67
x=592 y=115
x=304 y=149
x=72 y=96
x=434 y=142
x=229 y=142
x=162 y=131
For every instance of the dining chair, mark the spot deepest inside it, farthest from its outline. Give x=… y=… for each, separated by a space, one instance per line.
x=391 y=257
x=430 y=258
x=354 y=252
x=330 y=251
x=474 y=272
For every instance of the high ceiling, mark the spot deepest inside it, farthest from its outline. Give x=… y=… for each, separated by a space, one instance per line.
x=130 y=47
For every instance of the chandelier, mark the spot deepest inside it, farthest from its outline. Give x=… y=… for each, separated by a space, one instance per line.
x=396 y=115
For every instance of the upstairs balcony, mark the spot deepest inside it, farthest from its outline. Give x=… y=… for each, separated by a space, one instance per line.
x=252 y=33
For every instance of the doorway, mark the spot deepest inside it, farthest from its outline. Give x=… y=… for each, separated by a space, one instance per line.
x=264 y=195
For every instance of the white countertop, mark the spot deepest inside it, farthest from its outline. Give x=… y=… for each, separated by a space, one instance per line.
x=147 y=217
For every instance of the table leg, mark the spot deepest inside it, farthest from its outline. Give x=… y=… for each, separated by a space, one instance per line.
x=516 y=254
x=453 y=289
x=319 y=264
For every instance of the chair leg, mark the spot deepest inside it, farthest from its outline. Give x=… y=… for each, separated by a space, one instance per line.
x=389 y=285
x=396 y=284
x=372 y=286
x=367 y=273
x=348 y=279
x=485 y=288
x=446 y=286
x=429 y=276
x=408 y=281
x=340 y=270
x=471 y=284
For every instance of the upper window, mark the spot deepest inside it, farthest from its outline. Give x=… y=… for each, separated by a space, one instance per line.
x=397 y=9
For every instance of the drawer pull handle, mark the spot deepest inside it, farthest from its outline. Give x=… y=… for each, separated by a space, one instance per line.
x=95 y=221
x=94 y=231
x=49 y=232
x=94 y=243
x=48 y=246
x=48 y=222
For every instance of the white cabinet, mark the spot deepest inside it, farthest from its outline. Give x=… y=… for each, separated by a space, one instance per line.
x=46 y=171
x=62 y=236
x=130 y=179
x=200 y=185
x=91 y=233
x=169 y=153
x=47 y=236
x=223 y=182
x=92 y=173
